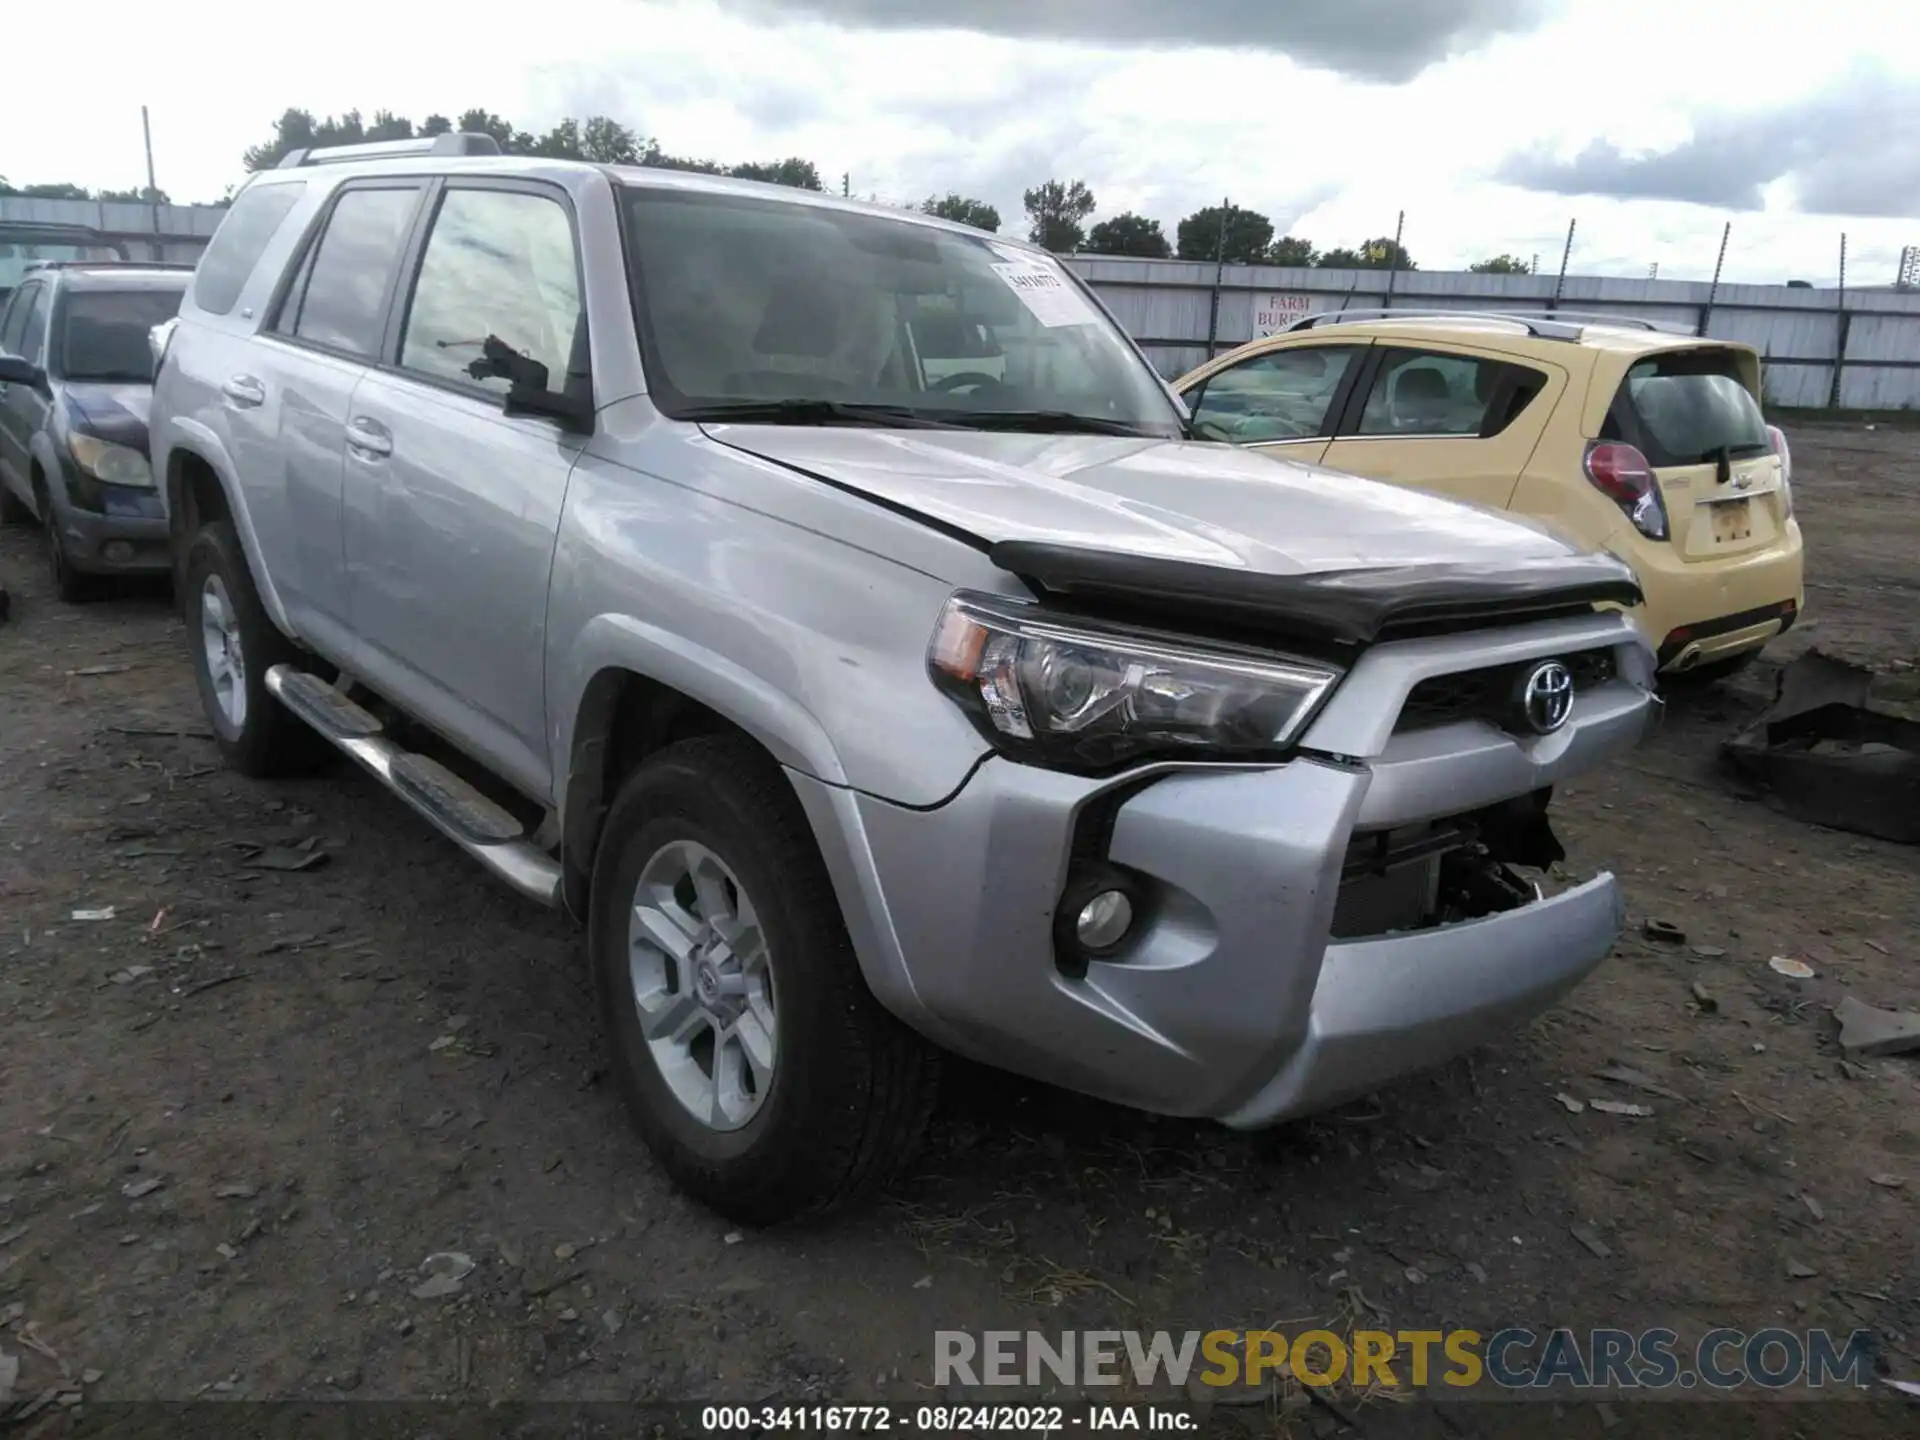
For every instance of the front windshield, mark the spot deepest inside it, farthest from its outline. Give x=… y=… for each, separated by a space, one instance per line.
x=105 y=333
x=752 y=303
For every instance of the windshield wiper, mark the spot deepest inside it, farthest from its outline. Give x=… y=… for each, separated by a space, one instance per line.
x=1048 y=422
x=814 y=412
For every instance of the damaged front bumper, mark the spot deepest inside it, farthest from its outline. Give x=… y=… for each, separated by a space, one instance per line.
x=1304 y=932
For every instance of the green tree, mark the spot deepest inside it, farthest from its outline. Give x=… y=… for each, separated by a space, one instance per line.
x=793 y=171
x=1291 y=250
x=59 y=191
x=1500 y=265
x=964 y=210
x=1129 y=234
x=1247 y=234
x=436 y=125
x=1057 y=213
x=608 y=142
x=485 y=122
x=144 y=195
x=389 y=126
x=1376 y=254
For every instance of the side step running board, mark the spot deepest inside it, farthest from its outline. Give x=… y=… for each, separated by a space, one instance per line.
x=452 y=806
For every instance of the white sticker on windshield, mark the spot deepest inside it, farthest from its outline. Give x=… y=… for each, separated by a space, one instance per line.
x=1046 y=294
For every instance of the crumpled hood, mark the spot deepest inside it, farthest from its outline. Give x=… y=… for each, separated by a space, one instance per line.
x=1171 y=500
x=113 y=410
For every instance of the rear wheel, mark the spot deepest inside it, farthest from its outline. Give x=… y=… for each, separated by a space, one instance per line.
x=234 y=644
x=763 y=1075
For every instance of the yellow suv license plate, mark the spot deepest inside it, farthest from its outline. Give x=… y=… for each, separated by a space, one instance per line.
x=1732 y=520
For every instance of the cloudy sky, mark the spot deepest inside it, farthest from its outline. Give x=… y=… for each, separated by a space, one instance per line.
x=1490 y=122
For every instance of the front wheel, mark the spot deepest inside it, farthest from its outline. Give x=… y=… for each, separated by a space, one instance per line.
x=234 y=644
x=759 y=1069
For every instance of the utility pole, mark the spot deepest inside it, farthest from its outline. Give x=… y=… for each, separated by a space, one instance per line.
x=846 y=182
x=1219 y=275
x=1393 y=260
x=1566 y=253
x=1713 y=290
x=1842 y=326
x=153 y=188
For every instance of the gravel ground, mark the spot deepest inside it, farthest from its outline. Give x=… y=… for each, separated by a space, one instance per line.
x=237 y=1114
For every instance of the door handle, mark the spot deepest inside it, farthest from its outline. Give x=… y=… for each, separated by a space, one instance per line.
x=244 y=391
x=369 y=437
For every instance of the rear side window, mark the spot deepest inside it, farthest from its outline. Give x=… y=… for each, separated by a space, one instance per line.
x=238 y=244
x=16 y=318
x=1428 y=392
x=1687 y=407
x=342 y=301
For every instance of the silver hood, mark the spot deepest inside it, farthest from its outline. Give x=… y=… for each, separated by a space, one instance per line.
x=1162 y=499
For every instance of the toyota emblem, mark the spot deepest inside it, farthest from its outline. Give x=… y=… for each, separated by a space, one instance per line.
x=1546 y=697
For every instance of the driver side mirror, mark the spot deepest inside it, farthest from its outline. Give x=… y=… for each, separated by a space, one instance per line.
x=527 y=387
x=15 y=371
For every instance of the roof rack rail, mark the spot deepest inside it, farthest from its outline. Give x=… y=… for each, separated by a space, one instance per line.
x=1545 y=325
x=110 y=264
x=454 y=142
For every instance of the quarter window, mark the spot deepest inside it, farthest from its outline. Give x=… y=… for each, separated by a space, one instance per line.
x=1282 y=395
x=239 y=243
x=499 y=263
x=1424 y=392
x=343 y=303
x=16 y=318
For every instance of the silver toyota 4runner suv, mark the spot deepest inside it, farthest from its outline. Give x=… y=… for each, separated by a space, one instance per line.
x=826 y=605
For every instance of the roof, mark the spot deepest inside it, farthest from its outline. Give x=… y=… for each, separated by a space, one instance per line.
x=110 y=276
x=535 y=167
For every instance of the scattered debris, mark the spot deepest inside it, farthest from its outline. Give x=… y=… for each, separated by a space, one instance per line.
x=1798 y=1271
x=1710 y=952
x=226 y=1251
x=283 y=858
x=1869 y=1030
x=1887 y=1180
x=1593 y=1242
x=1704 y=999
x=236 y=1192
x=1793 y=969
x=1814 y=1207
x=216 y=981
x=925 y=1282
x=442 y=1042
x=1477 y=1271
x=9 y=1373
x=1828 y=758
x=1619 y=1107
x=1876 y=945
x=733 y=1237
x=7 y=1237
x=101 y=670
x=105 y=912
x=564 y=1251
x=130 y=974
x=1664 y=931
x=1638 y=1079
x=1753 y=1109
x=135 y=1189
x=1573 y=1105
x=445 y=1270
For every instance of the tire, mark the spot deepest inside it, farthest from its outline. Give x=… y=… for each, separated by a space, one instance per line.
x=257 y=736
x=850 y=1088
x=72 y=586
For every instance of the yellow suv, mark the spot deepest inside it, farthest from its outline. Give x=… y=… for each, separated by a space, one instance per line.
x=1619 y=435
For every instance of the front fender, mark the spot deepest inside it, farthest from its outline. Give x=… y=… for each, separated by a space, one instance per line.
x=607 y=643
x=183 y=436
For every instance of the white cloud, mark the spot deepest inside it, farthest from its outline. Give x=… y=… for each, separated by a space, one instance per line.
x=909 y=112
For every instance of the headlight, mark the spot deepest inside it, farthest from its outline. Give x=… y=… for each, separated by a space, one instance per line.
x=1076 y=693
x=110 y=464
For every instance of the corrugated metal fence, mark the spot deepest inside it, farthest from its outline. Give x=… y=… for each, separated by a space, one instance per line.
x=1859 y=346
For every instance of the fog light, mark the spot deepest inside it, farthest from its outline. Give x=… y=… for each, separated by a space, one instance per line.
x=118 y=551
x=1102 y=922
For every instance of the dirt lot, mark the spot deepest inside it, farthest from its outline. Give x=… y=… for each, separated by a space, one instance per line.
x=236 y=1115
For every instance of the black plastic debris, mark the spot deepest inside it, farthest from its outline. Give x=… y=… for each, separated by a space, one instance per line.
x=1827 y=758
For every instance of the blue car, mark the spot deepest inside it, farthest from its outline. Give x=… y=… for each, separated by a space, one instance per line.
x=76 y=380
